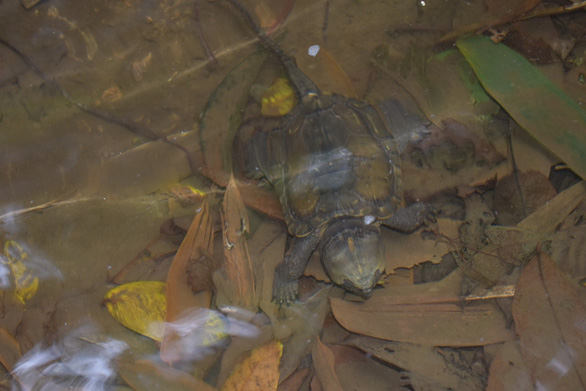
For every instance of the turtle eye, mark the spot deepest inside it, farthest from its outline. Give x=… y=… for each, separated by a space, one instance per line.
x=347 y=283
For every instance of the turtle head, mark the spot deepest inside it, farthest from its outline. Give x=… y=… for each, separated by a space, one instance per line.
x=353 y=255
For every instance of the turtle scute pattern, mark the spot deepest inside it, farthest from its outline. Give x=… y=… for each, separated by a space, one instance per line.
x=334 y=157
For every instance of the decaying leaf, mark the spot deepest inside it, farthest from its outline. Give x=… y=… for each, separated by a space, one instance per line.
x=301 y=326
x=216 y=128
x=424 y=362
x=238 y=288
x=517 y=196
x=259 y=371
x=141 y=306
x=180 y=297
x=428 y=314
x=359 y=371
x=508 y=371
x=545 y=219
x=549 y=318
x=324 y=362
x=9 y=350
x=325 y=71
x=24 y=283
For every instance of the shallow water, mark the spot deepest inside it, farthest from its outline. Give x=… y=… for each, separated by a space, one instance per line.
x=86 y=180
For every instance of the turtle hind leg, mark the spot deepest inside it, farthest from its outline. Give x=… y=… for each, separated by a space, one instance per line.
x=288 y=272
x=412 y=217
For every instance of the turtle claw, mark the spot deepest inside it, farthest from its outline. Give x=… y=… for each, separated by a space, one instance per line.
x=285 y=292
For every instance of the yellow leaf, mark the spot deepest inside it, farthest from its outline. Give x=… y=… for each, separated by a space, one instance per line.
x=258 y=372
x=25 y=284
x=141 y=306
x=278 y=100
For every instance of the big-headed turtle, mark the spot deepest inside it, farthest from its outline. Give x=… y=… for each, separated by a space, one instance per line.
x=335 y=165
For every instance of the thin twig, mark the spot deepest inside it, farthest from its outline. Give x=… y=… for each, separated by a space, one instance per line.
x=130 y=125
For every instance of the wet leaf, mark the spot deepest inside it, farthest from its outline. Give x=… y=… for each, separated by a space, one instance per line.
x=325 y=71
x=260 y=371
x=545 y=219
x=425 y=362
x=295 y=381
x=511 y=205
x=324 y=362
x=24 y=283
x=508 y=371
x=358 y=371
x=264 y=201
x=301 y=326
x=267 y=246
x=223 y=113
x=141 y=306
x=549 y=318
x=9 y=350
x=405 y=314
x=238 y=288
x=147 y=375
x=507 y=10
x=533 y=100
x=272 y=18
x=180 y=295
x=278 y=100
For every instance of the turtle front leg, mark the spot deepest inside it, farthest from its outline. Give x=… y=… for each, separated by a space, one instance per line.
x=412 y=217
x=288 y=272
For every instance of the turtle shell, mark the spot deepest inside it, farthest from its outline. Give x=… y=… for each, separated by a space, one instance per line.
x=332 y=157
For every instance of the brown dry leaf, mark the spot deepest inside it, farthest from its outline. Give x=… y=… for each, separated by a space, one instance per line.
x=428 y=314
x=258 y=372
x=147 y=375
x=508 y=371
x=9 y=350
x=549 y=318
x=238 y=287
x=324 y=362
x=426 y=363
x=180 y=296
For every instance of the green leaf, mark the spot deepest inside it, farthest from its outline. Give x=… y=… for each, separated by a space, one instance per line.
x=534 y=101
